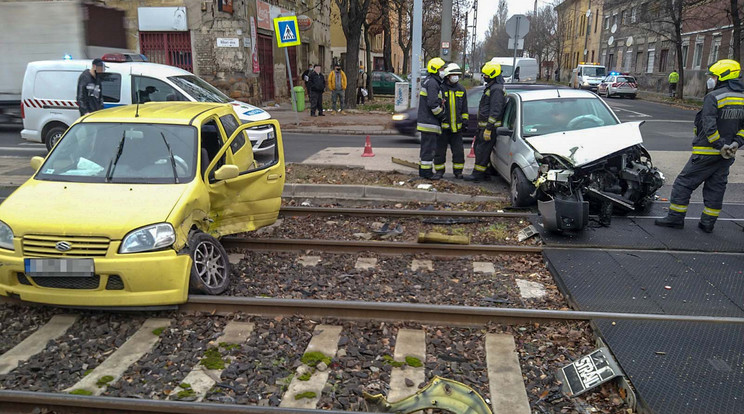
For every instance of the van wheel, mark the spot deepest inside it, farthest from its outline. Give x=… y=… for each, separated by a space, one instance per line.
x=53 y=135
x=210 y=270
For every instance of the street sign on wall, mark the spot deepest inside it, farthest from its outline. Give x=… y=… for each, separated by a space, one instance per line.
x=287 y=31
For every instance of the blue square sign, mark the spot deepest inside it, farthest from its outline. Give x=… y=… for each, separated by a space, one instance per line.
x=286 y=31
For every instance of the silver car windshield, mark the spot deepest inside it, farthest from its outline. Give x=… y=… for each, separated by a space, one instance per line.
x=123 y=153
x=564 y=114
x=199 y=89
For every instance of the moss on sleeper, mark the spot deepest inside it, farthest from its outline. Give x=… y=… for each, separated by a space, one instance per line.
x=306 y=394
x=104 y=380
x=158 y=331
x=312 y=359
x=81 y=391
x=212 y=359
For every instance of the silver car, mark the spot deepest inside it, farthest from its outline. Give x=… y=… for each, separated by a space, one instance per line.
x=539 y=112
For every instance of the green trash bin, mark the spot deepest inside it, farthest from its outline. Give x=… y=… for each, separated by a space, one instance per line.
x=299 y=93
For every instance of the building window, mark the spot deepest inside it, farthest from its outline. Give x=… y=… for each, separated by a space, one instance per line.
x=614 y=20
x=663 y=60
x=650 y=62
x=610 y=58
x=715 y=46
x=685 y=49
x=623 y=17
x=607 y=23
x=638 y=61
x=592 y=56
x=596 y=20
x=697 y=56
x=634 y=14
x=626 y=59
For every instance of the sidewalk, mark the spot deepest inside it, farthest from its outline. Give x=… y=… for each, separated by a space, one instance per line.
x=351 y=122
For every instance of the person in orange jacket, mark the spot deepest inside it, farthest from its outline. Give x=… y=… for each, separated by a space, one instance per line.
x=337 y=85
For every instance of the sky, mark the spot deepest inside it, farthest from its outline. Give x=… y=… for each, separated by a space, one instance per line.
x=487 y=8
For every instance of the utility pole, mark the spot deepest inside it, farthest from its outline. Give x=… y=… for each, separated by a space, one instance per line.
x=446 y=35
x=416 y=51
x=588 y=29
x=473 y=63
x=465 y=41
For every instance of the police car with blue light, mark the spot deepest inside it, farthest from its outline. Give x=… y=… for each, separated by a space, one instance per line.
x=49 y=107
x=618 y=84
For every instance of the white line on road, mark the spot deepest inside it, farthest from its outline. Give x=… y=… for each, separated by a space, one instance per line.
x=633 y=112
x=669 y=120
x=22 y=149
x=32 y=144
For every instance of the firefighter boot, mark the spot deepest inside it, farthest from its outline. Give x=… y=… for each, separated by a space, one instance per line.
x=458 y=174
x=425 y=173
x=673 y=219
x=707 y=223
x=477 y=176
x=438 y=175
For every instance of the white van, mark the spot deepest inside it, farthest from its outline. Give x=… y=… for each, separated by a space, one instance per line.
x=49 y=101
x=525 y=72
x=587 y=75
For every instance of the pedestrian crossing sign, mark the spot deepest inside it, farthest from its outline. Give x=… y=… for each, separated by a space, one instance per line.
x=286 y=31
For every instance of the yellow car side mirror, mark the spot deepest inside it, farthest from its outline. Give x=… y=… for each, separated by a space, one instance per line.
x=36 y=162
x=226 y=172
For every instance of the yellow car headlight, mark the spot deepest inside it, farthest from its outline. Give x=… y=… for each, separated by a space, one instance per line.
x=400 y=117
x=6 y=237
x=153 y=237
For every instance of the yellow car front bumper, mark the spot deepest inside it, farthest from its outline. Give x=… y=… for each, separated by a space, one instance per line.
x=137 y=279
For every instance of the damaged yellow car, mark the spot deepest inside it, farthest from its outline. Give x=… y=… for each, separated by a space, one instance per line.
x=126 y=210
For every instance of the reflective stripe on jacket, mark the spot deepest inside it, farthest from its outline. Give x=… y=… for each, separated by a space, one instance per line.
x=721 y=120
x=492 y=103
x=430 y=105
x=456 y=108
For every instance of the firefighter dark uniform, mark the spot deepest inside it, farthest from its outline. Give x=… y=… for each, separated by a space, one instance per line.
x=430 y=116
x=490 y=112
x=719 y=131
x=454 y=124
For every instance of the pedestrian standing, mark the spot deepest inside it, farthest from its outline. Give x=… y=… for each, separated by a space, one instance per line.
x=306 y=75
x=337 y=85
x=490 y=114
x=430 y=116
x=361 y=86
x=673 y=80
x=455 y=123
x=89 y=94
x=317 y=86
x=719 y=132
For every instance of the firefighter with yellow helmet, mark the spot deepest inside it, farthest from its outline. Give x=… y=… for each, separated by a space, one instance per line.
x=430 y=116
x=490 y=113
x=719 y=130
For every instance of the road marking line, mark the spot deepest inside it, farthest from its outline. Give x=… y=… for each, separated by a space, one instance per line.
x=36 y=342
x=409 y=343
x=508 y=394
x=325 y=340
x=634 y=112
x=202 y=379
x=21 y=149
x=142 y=342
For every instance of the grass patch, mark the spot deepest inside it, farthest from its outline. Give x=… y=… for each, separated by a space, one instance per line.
x=228 y=346
x=184 y=385
x=414 y=362
x=453 y=231
x=377 y=106
x=104 y=380
x=187 y=393
x=158 y=331
x=312 y=359
x=212 y=359
x=306 y=376
x=390 y=360
x=497 y=230
x=81 y=391
x=87 y=371
x=306 y=394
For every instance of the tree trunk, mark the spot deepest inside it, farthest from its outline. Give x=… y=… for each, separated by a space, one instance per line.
x=351 y=69
x=678 y=17
x=368 y=56
x=353 y=15
x=406 y=47
x=736 y=22
x=387 y=49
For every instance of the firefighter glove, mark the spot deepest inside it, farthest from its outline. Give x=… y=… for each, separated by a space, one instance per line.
x=487 y=135
x=729 y=150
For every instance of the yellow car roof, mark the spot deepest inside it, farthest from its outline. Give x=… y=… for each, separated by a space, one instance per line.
x=179 y=113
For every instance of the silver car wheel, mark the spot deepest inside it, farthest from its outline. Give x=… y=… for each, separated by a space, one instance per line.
x=209 y=264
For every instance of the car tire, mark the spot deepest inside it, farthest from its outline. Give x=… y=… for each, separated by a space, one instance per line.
x=633 y=96
x=521 y=189
x=210 y=267
x=53 y=135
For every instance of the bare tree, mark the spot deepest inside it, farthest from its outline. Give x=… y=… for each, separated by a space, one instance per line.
x=496 y=37
x=539 y=39
x=353 y=16
x=404 y=9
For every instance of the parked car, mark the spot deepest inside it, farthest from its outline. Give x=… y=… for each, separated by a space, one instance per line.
x=618 y=84
x=383 y=83
x=135 y=199
x=572 y=146
x=405 y=122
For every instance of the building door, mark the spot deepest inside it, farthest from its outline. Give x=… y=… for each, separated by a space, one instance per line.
x=168 y=48
x=266 y=62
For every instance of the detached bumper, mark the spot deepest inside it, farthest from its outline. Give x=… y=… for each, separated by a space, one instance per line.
x=141 y=279
x=564 y=214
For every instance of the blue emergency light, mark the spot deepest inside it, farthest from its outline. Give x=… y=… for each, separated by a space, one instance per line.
x=67 y=57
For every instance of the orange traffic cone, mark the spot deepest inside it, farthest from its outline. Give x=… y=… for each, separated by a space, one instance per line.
x=472 y=150
x=368 y=149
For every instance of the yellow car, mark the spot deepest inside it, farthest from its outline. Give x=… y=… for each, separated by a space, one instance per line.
x=127 y=208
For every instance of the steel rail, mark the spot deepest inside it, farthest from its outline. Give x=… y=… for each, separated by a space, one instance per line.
x=416 y=312
x=28 y=401
x=353 y=246
x=381 y=212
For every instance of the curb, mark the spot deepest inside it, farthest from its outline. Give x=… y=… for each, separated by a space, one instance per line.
x=338 y=132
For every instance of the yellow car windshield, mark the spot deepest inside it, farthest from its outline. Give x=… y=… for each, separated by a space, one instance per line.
x=123 y=153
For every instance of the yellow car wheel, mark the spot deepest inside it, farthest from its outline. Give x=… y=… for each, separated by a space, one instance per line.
x=210 y=270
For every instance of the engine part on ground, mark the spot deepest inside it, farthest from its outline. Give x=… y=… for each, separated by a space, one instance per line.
x=561 y=214
x=440 y=393
x=388 y=230
x=527 y=232
x=435 y=237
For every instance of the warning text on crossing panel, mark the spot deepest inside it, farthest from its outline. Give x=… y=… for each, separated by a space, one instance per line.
x=286 y=31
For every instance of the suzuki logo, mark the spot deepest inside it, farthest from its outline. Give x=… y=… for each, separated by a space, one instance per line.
x=63 y=246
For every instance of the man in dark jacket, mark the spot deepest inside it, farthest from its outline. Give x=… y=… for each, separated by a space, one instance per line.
x=719 y=132
x=430 y=116
x=89 y=94
x=317 y=85
x=455 y=122
x=490 y=112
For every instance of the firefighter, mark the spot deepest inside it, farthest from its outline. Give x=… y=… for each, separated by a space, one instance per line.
x=719 y=129
x=490 y=112
x=455 y=123
x=430 y=116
